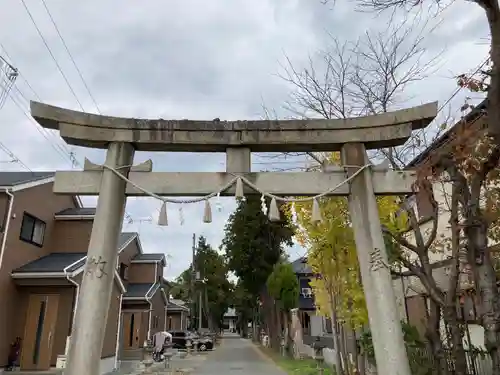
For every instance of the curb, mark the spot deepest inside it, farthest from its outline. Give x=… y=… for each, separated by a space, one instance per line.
x=263 y=355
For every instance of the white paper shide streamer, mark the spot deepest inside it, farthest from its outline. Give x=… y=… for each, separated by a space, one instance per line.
x=162 y=218
x=207 y=213
x=239 y=181
x=316 y=212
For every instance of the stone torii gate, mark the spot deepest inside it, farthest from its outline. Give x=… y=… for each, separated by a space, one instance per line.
x=238 y=139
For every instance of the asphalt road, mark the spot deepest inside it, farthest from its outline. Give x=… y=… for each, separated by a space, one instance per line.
x=239 y=357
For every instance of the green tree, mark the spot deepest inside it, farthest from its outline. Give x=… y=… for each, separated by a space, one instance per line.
x=244 y=303
x=253 y=245
x=180 y=288
x=283 y=286
x=213 y=284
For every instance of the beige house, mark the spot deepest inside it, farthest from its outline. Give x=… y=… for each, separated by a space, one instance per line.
x=43 y=252
x=411 y=294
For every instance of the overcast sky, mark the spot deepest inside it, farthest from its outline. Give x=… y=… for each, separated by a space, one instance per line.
x=190 y=59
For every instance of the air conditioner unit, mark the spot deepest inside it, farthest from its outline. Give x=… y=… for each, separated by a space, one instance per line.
x=307 y=292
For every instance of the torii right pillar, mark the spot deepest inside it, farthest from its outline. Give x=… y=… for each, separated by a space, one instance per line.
x=383 y=312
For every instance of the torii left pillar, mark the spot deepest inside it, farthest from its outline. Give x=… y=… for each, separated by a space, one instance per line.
x=97 y=284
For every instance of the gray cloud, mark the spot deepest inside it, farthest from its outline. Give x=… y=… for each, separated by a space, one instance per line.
x=190 y=59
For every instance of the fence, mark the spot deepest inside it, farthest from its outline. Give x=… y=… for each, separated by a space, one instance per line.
x=422 y=362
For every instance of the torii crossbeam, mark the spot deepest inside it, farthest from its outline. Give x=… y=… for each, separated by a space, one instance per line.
x=238 y=139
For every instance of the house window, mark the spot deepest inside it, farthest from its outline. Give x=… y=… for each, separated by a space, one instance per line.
x=307 y=292
x=32 y=230
x=123 y=271
x=131 y=333
x=39 y=330
x=328 y=325
x=423 y=201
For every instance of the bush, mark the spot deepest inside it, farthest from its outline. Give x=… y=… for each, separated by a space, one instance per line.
x=420 y=362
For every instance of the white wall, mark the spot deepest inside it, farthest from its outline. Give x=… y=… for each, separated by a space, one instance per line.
x=316 y=325
x=442 y=195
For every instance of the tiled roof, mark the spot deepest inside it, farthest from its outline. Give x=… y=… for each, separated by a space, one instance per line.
x=300 y=266
x=149 y=257
x=172 y=306
x=77 y=211
x=55 y=262
x=138 y=290
x=125 y=237
x=477 y=111
x=18 y=178
x=166 y=283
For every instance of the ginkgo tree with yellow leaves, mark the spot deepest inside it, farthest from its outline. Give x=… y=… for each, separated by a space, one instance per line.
x=338 y=290
x=331 y=253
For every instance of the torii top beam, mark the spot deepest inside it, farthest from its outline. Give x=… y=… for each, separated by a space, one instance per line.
x=377 y=131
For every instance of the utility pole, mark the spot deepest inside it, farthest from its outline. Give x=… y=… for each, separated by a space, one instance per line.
x=193 y=278
x=199 y=311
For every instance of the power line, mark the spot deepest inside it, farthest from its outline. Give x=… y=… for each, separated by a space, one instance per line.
x=70 y=55
x=61 y=149
x=15 y=159
x=459 y=88
x=51 y=54
x=20 y=74
x=10 y=73
x=57 y=147
x=54 y=141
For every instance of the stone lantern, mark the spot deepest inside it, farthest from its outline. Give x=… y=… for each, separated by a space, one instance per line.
x=282 y=345
x=318 y=347
x=195 y=345
x=147 y=356
x=168 y=357
x=189 y=345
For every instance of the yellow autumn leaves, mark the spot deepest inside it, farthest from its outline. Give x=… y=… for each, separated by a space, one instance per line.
x=331 y=252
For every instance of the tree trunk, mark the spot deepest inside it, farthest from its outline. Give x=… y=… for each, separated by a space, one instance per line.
x=288 y=332
x=255 y=326
x=456 y=333
x=432 y=334
x=278 y=329
x=484 y=275
x=343 y=349
x=336 y=341
x=485 y=282
x=489 y=299
x=361 y=356
x=353 y=352
x=493 y=13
